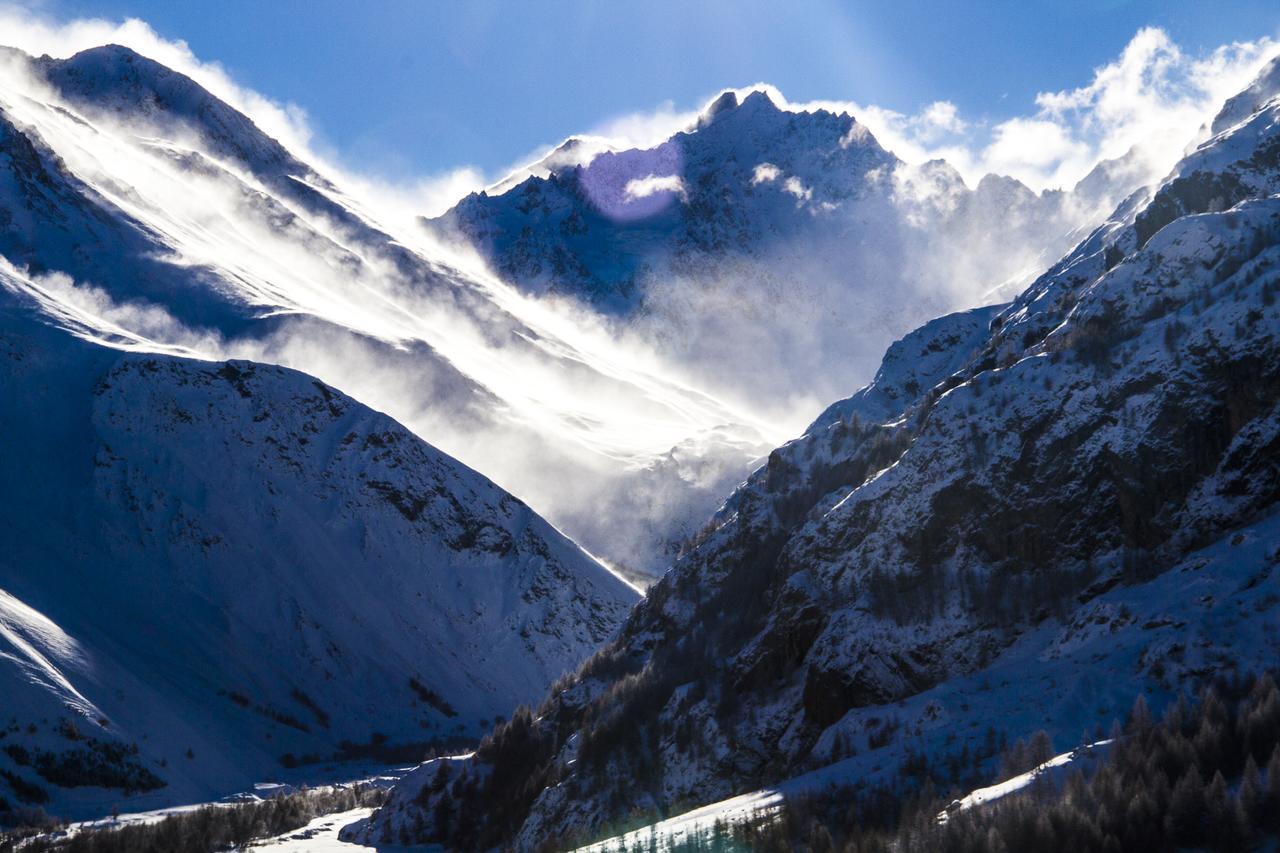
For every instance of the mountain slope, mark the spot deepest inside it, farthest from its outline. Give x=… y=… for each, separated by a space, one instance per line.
x=1025 y=502
x=214 y=569
x=179 y=222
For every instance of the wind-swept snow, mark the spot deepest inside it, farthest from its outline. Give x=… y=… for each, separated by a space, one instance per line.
x=991 y=793
x=158 y=218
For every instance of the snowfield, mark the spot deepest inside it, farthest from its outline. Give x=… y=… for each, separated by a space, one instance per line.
x=1072 y=760
x=320 y=836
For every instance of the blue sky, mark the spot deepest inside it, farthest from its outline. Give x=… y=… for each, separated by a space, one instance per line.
x=415 y=88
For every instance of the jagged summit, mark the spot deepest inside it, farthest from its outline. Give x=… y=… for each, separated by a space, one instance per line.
x=1264 y=87
x=756 y=104
x=724 y=103
x=760 y=210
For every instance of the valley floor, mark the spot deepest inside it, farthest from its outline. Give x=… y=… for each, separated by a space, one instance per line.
x=320 y=836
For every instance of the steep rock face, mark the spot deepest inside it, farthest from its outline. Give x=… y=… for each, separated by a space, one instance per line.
x=950 y=526
x=212 y=570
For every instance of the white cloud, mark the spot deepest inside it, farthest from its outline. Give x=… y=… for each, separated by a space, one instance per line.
x=764 y=173
x=941 y=117
x=637 y=188
x=1154 y=95
x=797 y=189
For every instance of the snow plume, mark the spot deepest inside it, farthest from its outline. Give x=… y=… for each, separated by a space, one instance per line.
x=638 y=188
x=645 y=129
x=94 y=315
x=800 y=328
x=1154 y=96
x=545 y=402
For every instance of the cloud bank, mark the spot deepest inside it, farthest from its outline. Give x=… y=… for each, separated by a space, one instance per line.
x=1153 y=98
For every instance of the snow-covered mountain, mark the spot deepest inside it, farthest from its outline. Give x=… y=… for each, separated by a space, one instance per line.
x=1033 y=512
x=213 y=569
x=788 y=242
x=161 y=215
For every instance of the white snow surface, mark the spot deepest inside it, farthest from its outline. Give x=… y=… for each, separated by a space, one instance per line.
x=684 y=828
x=982 y=796
x=321 y=836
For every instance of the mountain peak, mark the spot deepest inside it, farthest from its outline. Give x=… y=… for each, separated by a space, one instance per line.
x=758 y=99
x=726 y=102
x=755 y=102
x=113 y=51
x=116 y=79
x=105 y=66
x=1263 y=88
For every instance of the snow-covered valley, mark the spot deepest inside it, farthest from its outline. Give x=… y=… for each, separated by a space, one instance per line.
x=544 y=501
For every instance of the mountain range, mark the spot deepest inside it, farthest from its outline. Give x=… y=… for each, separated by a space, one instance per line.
x=1032 y=513
x=299 y=484
x=216 y=571
x=786 y=240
